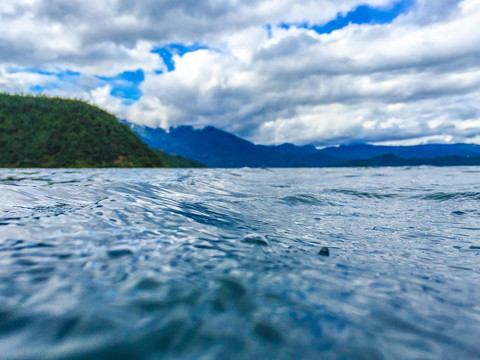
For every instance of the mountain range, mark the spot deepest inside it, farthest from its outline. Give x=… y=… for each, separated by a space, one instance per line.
x=41 y=131
x=218 y=148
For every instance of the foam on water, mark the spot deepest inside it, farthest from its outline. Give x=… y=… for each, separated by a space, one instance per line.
x=225 y=264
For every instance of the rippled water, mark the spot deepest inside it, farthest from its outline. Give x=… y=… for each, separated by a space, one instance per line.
x=225 y=264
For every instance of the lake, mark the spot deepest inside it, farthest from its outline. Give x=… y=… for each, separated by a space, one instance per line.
x=225 y=264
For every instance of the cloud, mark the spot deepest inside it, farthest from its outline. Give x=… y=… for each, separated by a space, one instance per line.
x=406 y=72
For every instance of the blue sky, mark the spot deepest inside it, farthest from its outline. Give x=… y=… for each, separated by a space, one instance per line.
x=167 y=52
x=362 y=14
x=126 y=85
x=325 y=72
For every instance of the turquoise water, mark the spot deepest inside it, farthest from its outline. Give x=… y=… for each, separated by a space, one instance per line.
x=225 y=264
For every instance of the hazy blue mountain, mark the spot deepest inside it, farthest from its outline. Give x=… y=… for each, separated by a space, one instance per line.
x=366 y=151
x=218 y=148
x=393 y=160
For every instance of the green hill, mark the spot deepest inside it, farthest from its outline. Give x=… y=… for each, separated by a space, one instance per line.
x=39 y=131
x=177 y=161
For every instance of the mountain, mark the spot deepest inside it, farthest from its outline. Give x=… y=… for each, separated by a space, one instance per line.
x=366 y=151
x=393 y=160
x=38 y=131
x=218 y=148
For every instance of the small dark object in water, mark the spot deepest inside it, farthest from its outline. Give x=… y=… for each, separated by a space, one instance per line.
x=324 y=251
x=120 y=252
x=255 y=239
x=475 y=247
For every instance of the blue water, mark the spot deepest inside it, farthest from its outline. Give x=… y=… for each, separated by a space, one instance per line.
x=225 y=264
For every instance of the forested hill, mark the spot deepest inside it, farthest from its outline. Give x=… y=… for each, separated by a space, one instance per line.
x=38 y=131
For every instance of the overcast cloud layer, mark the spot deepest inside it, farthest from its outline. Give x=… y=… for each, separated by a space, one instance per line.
x=271 y=71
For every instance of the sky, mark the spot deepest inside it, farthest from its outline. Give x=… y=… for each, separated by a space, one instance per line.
x=322 y=72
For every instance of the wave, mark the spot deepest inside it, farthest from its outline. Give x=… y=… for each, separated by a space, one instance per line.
x=363 y=194
x=445 y=196
x=224 y=264
x=303 y=199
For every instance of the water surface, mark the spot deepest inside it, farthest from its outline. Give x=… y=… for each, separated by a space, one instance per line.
x=224 y=264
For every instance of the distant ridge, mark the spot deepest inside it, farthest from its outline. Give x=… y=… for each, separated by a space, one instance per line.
x=366 y=151
x=393 y=160
x=218 y=148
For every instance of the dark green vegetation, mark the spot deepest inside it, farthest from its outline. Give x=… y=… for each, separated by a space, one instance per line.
x=39 y=131
x=177 y=161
